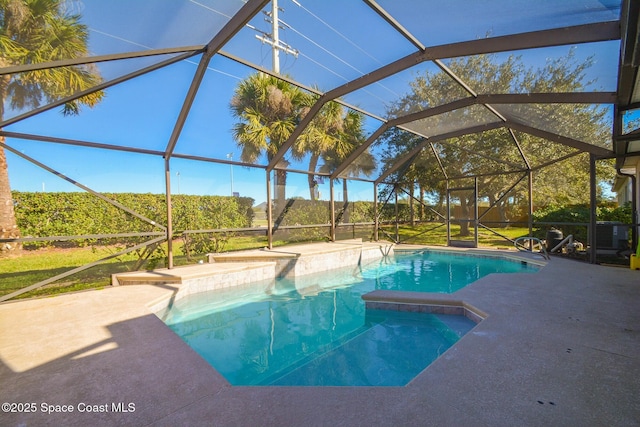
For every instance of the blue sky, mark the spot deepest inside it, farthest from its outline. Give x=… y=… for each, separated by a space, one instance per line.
x=333 y=49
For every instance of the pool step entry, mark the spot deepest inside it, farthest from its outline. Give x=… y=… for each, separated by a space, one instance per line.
x=245 y=267
x=299 y=260
x=200 y=277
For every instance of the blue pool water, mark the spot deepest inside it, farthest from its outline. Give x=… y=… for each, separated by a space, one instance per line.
x=315 y=330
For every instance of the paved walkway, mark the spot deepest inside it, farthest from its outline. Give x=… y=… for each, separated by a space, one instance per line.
x=560 y=347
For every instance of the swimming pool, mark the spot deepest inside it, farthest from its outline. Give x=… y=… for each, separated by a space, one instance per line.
x=315 y=330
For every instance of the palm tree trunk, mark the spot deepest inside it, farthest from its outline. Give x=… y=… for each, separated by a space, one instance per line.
x=8 y=225
x=313 y=163
x=281 y=194
x=345 y=206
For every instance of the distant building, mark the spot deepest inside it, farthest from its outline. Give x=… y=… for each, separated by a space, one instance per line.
x=623 y=185
x=623 y=188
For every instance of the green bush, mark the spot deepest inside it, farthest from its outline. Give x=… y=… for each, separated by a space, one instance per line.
x=579 y=214
x=622 y=214
x=77 y=214
x=361 y=212
x=304 y=212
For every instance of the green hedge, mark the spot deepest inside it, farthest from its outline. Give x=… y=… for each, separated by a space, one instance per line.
x=580 y=214
x=70 y=214
x=306 y=212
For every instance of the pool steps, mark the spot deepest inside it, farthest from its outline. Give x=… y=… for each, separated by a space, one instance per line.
x=299 y=260
x=200 y=277
x=238 y=268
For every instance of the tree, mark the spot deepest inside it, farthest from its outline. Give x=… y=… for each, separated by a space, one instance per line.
x=324 y=132
x=35 y=31
x=332 y=136
x=351 y=137
x=268 y=110
x=485 y=153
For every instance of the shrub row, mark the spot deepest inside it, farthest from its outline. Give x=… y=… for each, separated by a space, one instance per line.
x=76 y=213
x=72 y=214
x=305 y=212
x=580 y=214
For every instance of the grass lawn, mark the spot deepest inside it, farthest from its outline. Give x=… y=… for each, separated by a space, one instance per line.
x=17 y=272
x=432 y=234
x=33 y=266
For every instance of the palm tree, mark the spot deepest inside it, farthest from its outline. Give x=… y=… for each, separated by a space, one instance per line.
x=268 y=110
x=321 y=136
x=35 y=31
x=351 y=137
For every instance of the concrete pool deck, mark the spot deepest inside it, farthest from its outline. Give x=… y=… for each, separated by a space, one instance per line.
x=560 y=347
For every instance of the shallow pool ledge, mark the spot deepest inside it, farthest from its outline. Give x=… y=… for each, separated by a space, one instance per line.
x=422 y=303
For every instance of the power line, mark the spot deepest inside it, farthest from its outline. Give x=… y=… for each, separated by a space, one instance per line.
x=120 y=38
x=323 y=22
x=149 y=48
x=276 y=44
x=297 y=3
x=326 y=50
x=210 y=8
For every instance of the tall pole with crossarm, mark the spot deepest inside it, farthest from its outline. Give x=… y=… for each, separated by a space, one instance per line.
x=273 y=38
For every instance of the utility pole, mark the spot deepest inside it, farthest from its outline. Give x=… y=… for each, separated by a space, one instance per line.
x=275 y=34
x=273 y=39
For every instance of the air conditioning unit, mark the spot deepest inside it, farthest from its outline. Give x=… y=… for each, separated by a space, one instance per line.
x=612 y=235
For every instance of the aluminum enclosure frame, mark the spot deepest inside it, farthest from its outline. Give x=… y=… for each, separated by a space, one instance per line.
x=587 y=33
